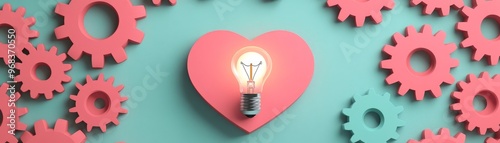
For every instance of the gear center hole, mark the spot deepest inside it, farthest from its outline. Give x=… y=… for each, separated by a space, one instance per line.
x=490 y=27
x=4 y=36
x=373 y=118
x=101 y=21
x=98 y=103
x=42 y=71
x=421 y=61
x=485 y=102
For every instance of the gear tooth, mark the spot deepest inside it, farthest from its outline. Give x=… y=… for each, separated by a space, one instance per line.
x=482 y=131
x=119 y=55
x=460 y=137
x=389 y=5
x=53 y=51
x=386 y=96
x=21 y=11
x=493 y=60
x=74 y=52
x=100 y=77
x=103 y=127
x=61 y=32
x=30 y=21
x=122 y=110
x=89 y=128
x=412 y=141
x=157 y=2
x=462 y=26
x=415 y=2
x=40 y=126
x=477 y=2
x=428 y=9
x=78 y=137
x=120 y=87
x=371 y=91
x=355 y=138
x=79 y=119
x=395 y=135
x=97 y=61
x=410 y=30
x=7 y=7
x=391 y=79
x=403 y=89
x=426 y=29
x=26 y=136
x=347 y=111
x=462 y=117
x=360 y=21
x=88 y=78
x=495 y=128
x=427 y=134
x=399 y=109
x=389 y=49
x=456 y=95
x=444 y=11
x=66 y=78
x=386 y=64
x=34 y=95
x=376 y=16
x=471 y=78
x=123 y=99
x=332 y=3
x=484 y=75
x=419 y=94
x=49 y=95
x=59 y=88
x=73 y=110
x=449 y=79
x=470 y=126
x=401 y=123
x=441 y=36
x=33 y=33
x=61 y=9
x=139 y=12
x=61 y=125
x=79 y=86
x=115 y=121
x=436 y=91
x=136 y=37
x=444 y=132
x=478 y=55
x=398 y=37
x=458 y=4
x=343 y=14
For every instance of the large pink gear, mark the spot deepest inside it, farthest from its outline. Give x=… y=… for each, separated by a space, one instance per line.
x=60 y=134
x=483 y=86
x=98 y=48
x=443 y=137
x=402 y=72
x=158 y=2
x=361 y=9
x=5 y=112
x=471 y=28
x=20 y=24
x=442 y=5
x=87 y=96
x=40 y=57
x=495 y=139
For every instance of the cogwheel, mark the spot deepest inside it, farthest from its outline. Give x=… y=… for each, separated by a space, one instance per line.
x=60 y=134
x=495 y=139
x=380 y=104
x=158 y=2
x=442 y=5
x=471 y=28
x=98 y=48
x=87 y=96
x=402 y=72
x=5 y=112
x=483 y=86
x=39 y=57
x=443 y=137
x=21 y=26
x=361 y=9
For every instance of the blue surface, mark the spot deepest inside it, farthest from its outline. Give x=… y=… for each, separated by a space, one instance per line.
x=174 y=112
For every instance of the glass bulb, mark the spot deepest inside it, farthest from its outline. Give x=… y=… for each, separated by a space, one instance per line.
x=251 y=66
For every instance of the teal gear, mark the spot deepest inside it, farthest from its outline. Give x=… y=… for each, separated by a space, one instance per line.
x=380 y=104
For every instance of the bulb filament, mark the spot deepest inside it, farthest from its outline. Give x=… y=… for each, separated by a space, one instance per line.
x=251 y=75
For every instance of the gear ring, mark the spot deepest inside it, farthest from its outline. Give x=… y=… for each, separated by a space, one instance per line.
x=483 y=86
x=442 y=5
x=158 y=2
x=60 y=134
x=471 y=28
x=442 y=137
x=98 y=48
x=495 y=139
x=5 y=113
x=89 y=93
x=361 y=10
x=439 y=69
x=380 y=104
x=39 y=57
x=22 y=27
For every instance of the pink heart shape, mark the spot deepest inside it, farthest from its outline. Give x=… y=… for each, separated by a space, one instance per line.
x=210 y=72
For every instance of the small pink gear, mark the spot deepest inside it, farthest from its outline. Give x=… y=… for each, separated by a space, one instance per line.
x=87 y=96
x=40 y=57
x=5 y=112
x=98 y=48
x=158 y=2
x=399 y=63
x=361 y=9
x=20 y=24
x=443 y=137
x=495 y=139
x=442 y=5
x=60 y=134
x=471 y=29
x=483 y=86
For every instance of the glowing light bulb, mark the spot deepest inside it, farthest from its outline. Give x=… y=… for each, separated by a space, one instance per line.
x=251 y=66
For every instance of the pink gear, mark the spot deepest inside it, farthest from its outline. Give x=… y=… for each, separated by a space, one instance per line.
x=39 y=57
x=471 y=28
x=158 y=2
x=22 y=26
x=89 y=93
x=495 y=139
x=60 y=134
x=98 y=48
x=5 y=112
x=432 y=78
x=483 y=86
x=442 y=5
x=361 y=9
x=443 y=137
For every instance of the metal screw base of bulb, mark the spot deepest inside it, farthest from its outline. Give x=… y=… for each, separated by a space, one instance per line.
x=250 y=104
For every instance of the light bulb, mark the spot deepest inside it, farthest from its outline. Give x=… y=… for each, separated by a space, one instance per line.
x=251 y=66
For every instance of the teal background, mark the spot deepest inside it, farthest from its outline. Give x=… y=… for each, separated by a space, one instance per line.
x=174 y=112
